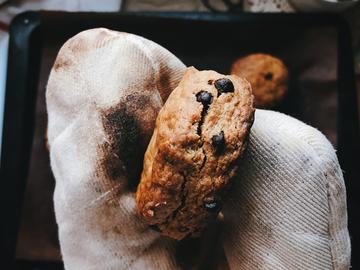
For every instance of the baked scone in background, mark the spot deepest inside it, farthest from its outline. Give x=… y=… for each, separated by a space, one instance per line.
x=267 y=75
x=199 y=136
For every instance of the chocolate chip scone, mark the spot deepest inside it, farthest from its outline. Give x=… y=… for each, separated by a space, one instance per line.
x=194 y=152
x=267 y=75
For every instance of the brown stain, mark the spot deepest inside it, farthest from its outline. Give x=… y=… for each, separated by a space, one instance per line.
x=102 y=34
x=163 y=85
x=117 y=230
x=78 y=45
x=62 y=63
x=102 y=38
x=127 y=137
x=89 y=40
x=46 y=141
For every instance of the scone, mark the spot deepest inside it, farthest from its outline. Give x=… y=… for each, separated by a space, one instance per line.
x=267 y=75
x=199 y=137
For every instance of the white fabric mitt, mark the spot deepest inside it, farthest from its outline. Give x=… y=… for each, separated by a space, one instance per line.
x=287 y=209
x=288 y=206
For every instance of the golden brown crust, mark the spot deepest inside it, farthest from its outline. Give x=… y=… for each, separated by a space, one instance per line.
x=267 y=75
x=199 y=136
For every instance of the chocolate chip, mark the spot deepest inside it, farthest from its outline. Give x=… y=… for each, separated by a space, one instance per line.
x=268 y=76
x=212 y=206
x=224 y=85
x=183 y=229
x=210 y=82
x=155 y=228
x=204 y=97
x=218 y=142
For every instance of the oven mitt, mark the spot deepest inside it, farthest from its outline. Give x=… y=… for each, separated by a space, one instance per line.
x=286 y=210
x=103 y=95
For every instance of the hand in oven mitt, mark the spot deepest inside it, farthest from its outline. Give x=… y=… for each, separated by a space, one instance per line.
x=286 y=210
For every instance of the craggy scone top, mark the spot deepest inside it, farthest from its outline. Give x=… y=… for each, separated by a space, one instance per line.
x=194 y=152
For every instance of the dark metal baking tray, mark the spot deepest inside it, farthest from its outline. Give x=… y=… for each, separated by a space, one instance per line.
x=205 y=40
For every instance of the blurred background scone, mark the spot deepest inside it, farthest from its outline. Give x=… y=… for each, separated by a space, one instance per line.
x=267 y=75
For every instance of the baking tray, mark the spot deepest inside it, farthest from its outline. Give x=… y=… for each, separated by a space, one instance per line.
x=315 y=47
